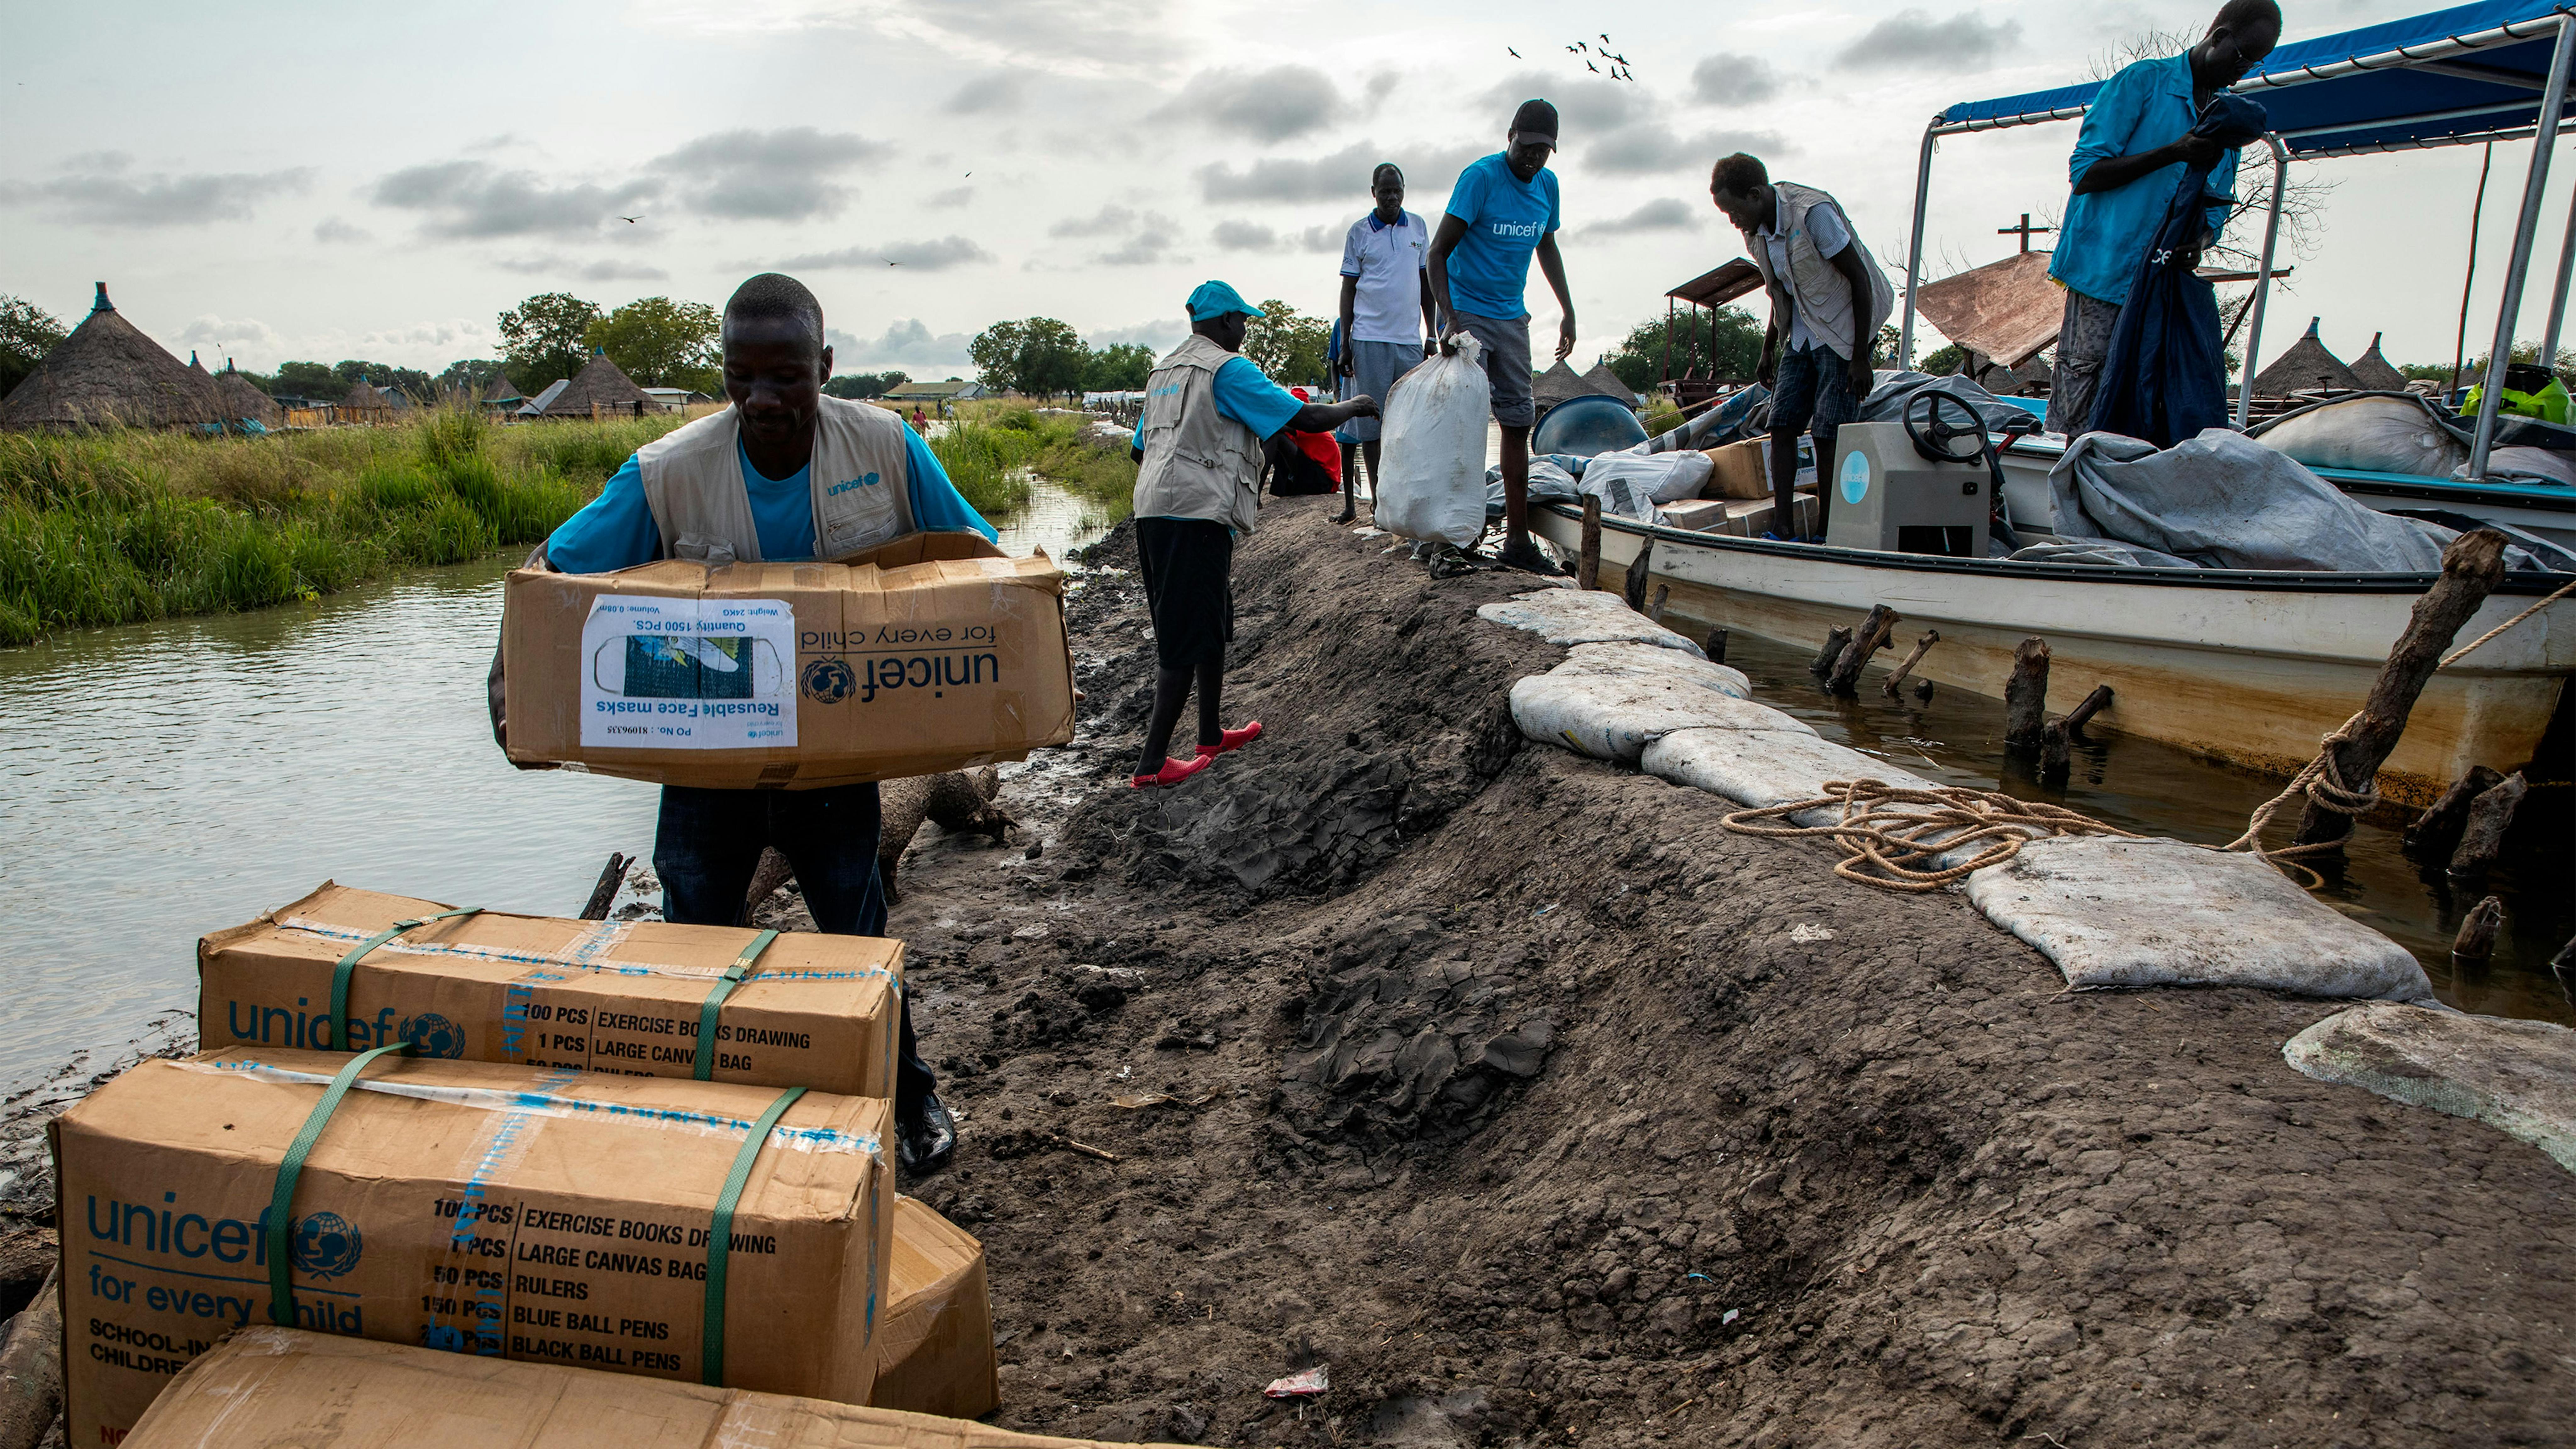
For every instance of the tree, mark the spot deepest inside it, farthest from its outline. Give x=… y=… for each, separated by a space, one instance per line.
x=313 y=380
x=662 y=343
x=1287 y=344
x=542 y=339
x=1036 y=357
x=1119 y=367
x=383 y=376
x=27 y=333
x=469 y=375
x=865 y=384
x=1941 y=361
x=1731 y=348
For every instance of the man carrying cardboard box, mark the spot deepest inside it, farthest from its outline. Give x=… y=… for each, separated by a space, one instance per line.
x=786 y=473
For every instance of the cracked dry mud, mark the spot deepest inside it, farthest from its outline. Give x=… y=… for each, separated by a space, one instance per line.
x=1540 y=1109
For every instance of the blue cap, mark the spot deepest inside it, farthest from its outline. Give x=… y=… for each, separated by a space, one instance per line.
x=1215 y=299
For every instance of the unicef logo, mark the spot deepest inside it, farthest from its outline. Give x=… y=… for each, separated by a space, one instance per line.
x=433 y=1035
x=829 y=681
x=325 y=1245
x=1855 y=479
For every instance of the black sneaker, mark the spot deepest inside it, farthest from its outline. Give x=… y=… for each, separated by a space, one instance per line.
x=1525 y=554
x=924 y=1141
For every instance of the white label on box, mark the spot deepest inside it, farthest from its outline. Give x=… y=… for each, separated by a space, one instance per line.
x=688 y=674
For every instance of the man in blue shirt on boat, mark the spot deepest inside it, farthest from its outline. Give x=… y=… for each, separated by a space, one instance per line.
x=785 y=473
x=1502 y=212
x=2134 y=149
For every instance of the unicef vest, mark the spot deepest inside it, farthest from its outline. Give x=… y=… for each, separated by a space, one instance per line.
x=1815 y=288
x=860 y=476
x=1199 y=463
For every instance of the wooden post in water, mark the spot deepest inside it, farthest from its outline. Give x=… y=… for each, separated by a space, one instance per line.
x=2475 y=945
x=1636 y=582
x=2482 y=838
x=2082 y=714
x=1587 y=567
x=1837 y=639
x=611 y=876
x=1922 y=647
x=1715 y=648
x=2437 y=831
x=1882 y=621
x=2472 y=566
x=2056 y=752
x=2026 y=695
x=1655 y=610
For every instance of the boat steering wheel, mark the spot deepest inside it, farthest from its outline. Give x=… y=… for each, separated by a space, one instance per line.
x=1938 y=440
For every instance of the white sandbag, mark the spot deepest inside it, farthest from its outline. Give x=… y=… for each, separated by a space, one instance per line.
x=2162 y=913
x=1614 y=716
x=2378 y=434
x=2541 y=463
x=1764 y=768
x=2518 y=1077
x=1644 y=661
x=1583 y=616
x=1661 y=478
x=1549 y=482
x=1433 y=483
x=1622 y=492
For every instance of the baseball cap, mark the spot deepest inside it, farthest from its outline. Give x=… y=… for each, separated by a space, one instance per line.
x=1215 y=299
x=1535 y=121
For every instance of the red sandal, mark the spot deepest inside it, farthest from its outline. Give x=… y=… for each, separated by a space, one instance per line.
x=1230 y=740
x=1172 y=773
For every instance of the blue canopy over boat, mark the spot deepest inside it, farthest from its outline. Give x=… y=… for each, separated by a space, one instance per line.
x=2466 y=74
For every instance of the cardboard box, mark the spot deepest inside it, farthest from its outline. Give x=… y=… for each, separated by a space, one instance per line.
x=1751 y=517
x=1703 y=514
x=930 y=653
x=491 y=1210
x=935 y=1351
x=276 y=1386
x=603 y=996
x=1740 y=470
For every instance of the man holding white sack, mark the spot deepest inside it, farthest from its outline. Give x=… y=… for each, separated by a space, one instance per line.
x=1502 y=212
x=1386 y=308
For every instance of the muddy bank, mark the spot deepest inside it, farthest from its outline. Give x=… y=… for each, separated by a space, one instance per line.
x=1537 y=1108
x=1541 y=1109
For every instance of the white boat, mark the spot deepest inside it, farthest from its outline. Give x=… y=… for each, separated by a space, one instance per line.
x=2250 y=667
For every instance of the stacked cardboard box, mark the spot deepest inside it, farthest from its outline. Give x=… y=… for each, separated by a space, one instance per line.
x=538 y=1177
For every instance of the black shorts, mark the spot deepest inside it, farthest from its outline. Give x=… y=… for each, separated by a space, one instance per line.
x=1187 y=563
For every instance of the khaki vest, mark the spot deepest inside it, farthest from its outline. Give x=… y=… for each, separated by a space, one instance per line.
x=1199 y=463
x=1815 y=290
x=860 y=475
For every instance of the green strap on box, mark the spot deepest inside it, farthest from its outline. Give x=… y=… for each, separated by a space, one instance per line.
x=705 y=1066
x=720 y=1232
x=281 y=1201
x=348 y=967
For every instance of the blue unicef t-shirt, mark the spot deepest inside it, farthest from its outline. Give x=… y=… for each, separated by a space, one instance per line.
x=1506 y=217
x=616 y=530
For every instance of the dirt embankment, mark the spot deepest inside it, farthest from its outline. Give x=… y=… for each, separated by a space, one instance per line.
x=1539 y=1108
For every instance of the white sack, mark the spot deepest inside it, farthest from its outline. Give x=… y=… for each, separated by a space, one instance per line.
x=1757 y=769
x=2538 y=463
x=1661 y=478
x=1644 y=661
x=2518 y=1077
x=1579 y=616
x=1433 y=450
x=2377 y=434
x=2162 y=913
x=1615 y=717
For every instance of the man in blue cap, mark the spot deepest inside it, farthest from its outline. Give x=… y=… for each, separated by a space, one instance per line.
x=1198 y=452
x=1503 y=211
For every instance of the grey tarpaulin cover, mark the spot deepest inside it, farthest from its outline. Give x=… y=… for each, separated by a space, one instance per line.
x=1886 y=402
x=2223 y=500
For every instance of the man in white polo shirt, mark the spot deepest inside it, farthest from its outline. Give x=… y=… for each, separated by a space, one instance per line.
x=1386 y=313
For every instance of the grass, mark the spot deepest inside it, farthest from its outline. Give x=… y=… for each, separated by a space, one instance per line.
x=113 y=527
x=990 y=448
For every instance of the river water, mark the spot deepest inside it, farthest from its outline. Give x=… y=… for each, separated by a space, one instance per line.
x=165 y=780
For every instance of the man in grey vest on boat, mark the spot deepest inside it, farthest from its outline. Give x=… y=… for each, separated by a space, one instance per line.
x=1197 y=446
x=785 y=473
x=1828 y=300
x=2131 y=154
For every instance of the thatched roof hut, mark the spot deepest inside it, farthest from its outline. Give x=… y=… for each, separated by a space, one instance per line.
x=1562 y=384
x=2307 y=365
x=2373 y=371
x=243 y=401
x=365 y=397
x=503 y=392
x=600 y=387
x=108 y=373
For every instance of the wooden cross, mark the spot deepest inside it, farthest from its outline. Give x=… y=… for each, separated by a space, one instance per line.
x=2024 y=230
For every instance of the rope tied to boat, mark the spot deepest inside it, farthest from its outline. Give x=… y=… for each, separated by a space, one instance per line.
x=1892 y=837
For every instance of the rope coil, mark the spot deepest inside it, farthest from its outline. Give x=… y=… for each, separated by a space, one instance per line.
x=1894 y=849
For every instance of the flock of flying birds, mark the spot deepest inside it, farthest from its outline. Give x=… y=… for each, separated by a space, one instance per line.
x=1618 y=70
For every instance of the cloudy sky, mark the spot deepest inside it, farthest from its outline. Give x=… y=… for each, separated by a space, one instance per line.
x=332 y=181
